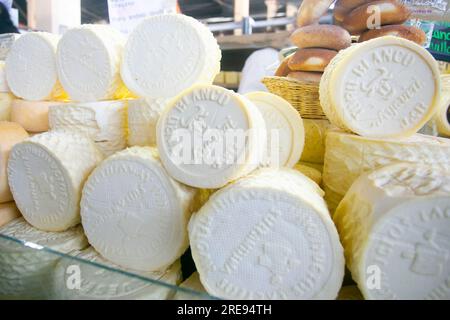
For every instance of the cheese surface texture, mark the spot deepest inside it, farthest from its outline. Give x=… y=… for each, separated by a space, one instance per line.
x=394 y=223
x=167 y=54
x=134 y=214
x=104 y=122
x=32 y=115
x=315 y=133
x=284 y=128
x=27 y=273
x=88 y=60
x=267 y=236
x=46 y=174
x=10 y=134
x=209 y=136
x=102 y=284
x=3 y=83
x=31 y=67
x=5 y=106
x=143 y=115
x=385 y=87
x=347 y=156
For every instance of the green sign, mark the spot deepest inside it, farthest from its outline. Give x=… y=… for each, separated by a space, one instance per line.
x=440 y=43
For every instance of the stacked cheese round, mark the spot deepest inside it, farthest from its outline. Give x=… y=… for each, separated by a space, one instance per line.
x=31 y=67
x=167 y=54
x=209 y=136
x=46 y=174
x=347 y=156
x=10 y=134
x=395 y=227
x=5 y=95
x=26 y=273
x=315 y=133
x=267 y=236
x=100 y=283
x=284 y=129
x=143 y=115
x=32 y=115
x=134 y=214
x=88 y=61
x=104 y=122
x=385 y=87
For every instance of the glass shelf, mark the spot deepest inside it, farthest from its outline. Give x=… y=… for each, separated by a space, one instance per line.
x=31 y=271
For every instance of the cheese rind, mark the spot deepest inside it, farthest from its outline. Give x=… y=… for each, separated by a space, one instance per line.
x=385 y=87
x=104 y=122
x=25 y=273
x=10 y=134
x=4 y=88
x=46 y=174
x=394 y=225
x=99 y=283
x=88 y=60
x=143 y=116
x=315 y=133
x=209 y=136
x=31 y=67
x=284 y=128
x=167 y=54
x=134 y=214
x=261 y=236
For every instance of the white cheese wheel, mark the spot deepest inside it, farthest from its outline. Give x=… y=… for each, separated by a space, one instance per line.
x=32 y=115
x=25 y=272
x=442 y=117
x=104 y=122
x=31 y=67
x=395 y=226
x=10 y=134
x=209 y=136
x=4 y=88
x=134 y=214
x=143 y=115
x=195 y=289
x=347 y=156
x=267 y=236
x=46 y=174
x=6 y=100
x=8 y=212
x=167 y=54
x=88 y=60
x=284 y=128
x=385 y=87
x=315 y=134
x=99 y=283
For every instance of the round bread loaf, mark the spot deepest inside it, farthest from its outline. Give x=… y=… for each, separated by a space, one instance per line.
x=407 y=32
x=321 y=36
x=362 y=18
x=311 y=11
x=305 y=76
x=283 y=70
x=344 y=7
x=312 y=59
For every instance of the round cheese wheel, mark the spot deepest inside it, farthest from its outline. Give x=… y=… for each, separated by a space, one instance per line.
x=134 y=214
x=46 y=174
x=88 y=60
x=312 y=173
x=209 y=136
x=315 y=134
x=267 y=236
x=167 y=54
x=31 y=67
x=284 y=128
x=442 y=117
x=5 y=106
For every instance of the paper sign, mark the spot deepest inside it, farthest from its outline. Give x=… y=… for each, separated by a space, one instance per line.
x=124 y=15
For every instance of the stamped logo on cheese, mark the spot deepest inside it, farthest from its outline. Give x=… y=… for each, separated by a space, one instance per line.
x=386 y=87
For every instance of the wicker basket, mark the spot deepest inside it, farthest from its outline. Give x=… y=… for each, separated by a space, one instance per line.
x=304 y=96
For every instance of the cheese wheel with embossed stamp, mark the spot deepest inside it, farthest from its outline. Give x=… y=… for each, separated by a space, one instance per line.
x=46 y=174
x=134 y=214
x=395 y=225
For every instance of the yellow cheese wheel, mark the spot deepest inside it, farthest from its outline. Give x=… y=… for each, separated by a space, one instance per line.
x=5 y=106
x=32 y=115
x=315 y=131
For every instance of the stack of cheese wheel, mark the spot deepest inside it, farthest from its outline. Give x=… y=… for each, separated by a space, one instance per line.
x=32 y=76
x=99 y=283
x=267 y=236
x=6 y=96
x=26 y=273
x=10 y=134
x=373 y=19
x=395 y=226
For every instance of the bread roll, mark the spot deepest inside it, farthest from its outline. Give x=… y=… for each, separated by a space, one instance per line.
x=344 y=7
x=306 y=76
x=321 y=36
x=313 y=59
x=283 y=70
x=311 y=11
x=407 y=32
x=361 y=18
